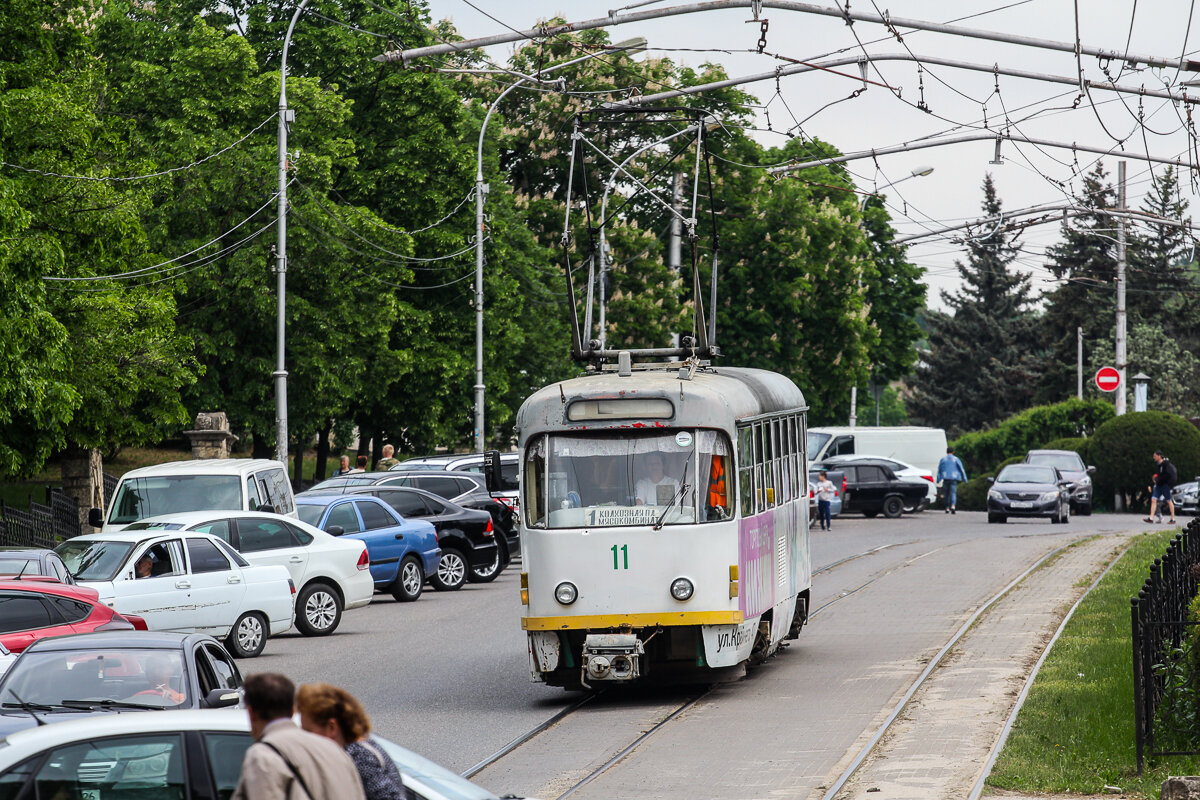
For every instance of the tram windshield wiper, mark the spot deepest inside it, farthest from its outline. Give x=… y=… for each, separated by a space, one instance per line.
x=681 y=493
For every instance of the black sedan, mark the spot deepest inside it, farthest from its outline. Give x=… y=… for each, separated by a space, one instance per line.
x=34 y=561
x=64 y=677
x=1029 y=490
x=465 y=535
x=872 y=488
x=466 y=489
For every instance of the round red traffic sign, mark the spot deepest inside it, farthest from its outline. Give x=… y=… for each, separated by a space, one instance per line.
x=1108 y=379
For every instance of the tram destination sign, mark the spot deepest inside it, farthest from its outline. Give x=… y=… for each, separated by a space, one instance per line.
x=623 y=515
x=1108 y=379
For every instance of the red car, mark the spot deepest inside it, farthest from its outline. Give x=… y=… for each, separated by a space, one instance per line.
x=32 y=609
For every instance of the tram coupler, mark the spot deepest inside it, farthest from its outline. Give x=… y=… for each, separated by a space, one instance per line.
x=612 y=657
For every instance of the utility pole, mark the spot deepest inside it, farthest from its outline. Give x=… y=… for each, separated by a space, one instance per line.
x=1121 y=288
x=1079 y=363
x=675 y=241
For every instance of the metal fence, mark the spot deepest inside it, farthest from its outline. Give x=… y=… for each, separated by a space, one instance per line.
x=40 y=525
x=1166 y=653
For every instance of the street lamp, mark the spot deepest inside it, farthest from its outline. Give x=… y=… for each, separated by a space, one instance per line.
x=919 y=172
x=629 y=46
x=280 y=374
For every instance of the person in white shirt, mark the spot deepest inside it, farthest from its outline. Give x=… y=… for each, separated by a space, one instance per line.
x=825 y=494
x=647 y=489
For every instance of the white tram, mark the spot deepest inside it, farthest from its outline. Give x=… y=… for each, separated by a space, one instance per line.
x=664 y=523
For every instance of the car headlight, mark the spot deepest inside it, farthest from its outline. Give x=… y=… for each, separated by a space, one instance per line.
x=1084 y=481
x=994 y=495
x=1048 y=496
x=681 y=589
x=566 y=593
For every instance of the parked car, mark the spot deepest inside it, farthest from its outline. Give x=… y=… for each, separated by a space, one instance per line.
x=902 y=469
x=922 y=447
x=330 y=574
x=143 y=755
x=31 y=561
x=33 y=609
x=1187 y=497
x=464 y=489
x=196 y=584
x=1071 y=467
x=402 y=552
x=510 y=466
x=1029 y=490
x=65 y=677
x=215 y=484
x=467 y=537
x=872 y=488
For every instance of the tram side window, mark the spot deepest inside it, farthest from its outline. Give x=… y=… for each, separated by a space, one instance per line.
x=534 y=501
x=746 y=471
x=714 y=479
x=762 y=465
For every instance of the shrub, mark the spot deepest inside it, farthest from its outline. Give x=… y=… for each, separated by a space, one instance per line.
x=972 y=495
x=1121 y=450
x=1029 y=430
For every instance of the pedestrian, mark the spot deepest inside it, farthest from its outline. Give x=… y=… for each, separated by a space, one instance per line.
x=387 y=462
x=344 y=466
x=949 y=473
x=1164 y=482
x=825 y=495
x=285 y=762
x=360 y=466
x=336 y=714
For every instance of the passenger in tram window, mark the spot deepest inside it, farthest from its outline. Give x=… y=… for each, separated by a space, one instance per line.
x=656 y=488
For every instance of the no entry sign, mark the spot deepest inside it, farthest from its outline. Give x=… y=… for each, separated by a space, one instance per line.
x=1108 y=379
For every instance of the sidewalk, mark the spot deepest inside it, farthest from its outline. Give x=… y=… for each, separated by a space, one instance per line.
x=940 y=745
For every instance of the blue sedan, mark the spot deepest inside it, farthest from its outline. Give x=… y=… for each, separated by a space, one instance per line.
x=402 y=552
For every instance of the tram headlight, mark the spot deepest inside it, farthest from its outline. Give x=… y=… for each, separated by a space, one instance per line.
x=566 y=593
x=681 y=589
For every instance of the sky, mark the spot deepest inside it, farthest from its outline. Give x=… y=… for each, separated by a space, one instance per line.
x=934 y=99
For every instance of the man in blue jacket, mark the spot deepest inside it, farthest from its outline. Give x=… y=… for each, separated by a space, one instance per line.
x=950 y=472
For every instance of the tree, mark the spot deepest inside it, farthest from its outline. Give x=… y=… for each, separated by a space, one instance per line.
x=1162 y=278
x=981 y=363
x=1174 y=371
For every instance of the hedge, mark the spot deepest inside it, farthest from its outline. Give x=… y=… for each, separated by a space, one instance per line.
x=1122 y=449
x=1030 y=430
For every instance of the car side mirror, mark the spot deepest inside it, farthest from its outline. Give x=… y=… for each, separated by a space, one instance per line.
x=491 y=471
x=335 y=530
x=222 y=698
x=991 y=480
x=1090 y=470
x=96 y=518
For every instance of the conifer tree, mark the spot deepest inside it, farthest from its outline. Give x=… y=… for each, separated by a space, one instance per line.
x=981 y=363
x=1162 y=277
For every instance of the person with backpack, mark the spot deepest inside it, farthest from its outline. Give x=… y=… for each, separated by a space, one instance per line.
x=1164 y=483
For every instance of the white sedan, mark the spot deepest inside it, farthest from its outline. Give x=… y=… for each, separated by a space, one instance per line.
x=330 y=574
x=144 y=755
x=904 y=471
x=185 y=582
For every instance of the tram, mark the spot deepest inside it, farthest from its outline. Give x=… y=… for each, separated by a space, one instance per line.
x=664 y=523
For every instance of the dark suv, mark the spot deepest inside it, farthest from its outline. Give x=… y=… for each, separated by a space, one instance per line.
x=1071 y=466
x=872 y=488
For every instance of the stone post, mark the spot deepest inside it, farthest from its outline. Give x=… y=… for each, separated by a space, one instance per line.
x=83 y=479
x=211 y=438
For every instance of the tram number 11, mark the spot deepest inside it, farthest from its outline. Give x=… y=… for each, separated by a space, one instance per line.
x=620 y=560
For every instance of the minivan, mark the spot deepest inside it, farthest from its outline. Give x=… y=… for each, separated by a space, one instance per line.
x=236 y=484
x=921 y=447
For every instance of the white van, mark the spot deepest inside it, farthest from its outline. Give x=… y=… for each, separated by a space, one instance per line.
x=921 y=447
x=236 y=484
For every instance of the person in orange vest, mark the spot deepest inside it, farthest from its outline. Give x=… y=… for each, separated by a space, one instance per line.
x=718 y=500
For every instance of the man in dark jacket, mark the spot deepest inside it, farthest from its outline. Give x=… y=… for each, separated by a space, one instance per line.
x=1164 y=482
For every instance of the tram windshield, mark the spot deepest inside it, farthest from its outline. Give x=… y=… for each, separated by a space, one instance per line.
x=609 y=479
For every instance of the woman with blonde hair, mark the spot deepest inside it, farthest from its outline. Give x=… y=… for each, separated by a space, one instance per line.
x=336 y=714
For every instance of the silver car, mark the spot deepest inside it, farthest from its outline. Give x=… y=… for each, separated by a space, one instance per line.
x=1071 y=466
x=1187 y=497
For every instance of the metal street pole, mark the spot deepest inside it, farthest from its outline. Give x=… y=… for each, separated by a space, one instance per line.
x=919 y=172
x=1079 y=363
x=280 y=374
x=1121 y=288
x=481 y=189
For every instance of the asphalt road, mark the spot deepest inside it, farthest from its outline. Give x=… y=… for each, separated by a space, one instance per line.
x=447 y=676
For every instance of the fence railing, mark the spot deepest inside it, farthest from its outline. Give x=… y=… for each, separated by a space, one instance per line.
x=1166 y=653
x=40 y=525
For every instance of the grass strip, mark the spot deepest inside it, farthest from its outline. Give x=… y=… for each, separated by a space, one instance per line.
x=1075 y=732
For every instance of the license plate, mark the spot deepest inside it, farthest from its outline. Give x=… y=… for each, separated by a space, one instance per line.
x=1021 y=504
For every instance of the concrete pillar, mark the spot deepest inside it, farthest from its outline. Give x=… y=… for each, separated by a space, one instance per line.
x=211 y=437
x=83 y=480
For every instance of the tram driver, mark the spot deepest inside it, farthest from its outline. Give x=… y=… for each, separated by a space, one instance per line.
x=655 y=488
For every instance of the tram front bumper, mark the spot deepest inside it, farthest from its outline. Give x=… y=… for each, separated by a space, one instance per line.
x=612 y=656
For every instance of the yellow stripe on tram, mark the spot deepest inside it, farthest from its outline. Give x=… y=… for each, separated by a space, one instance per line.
x=666 y=619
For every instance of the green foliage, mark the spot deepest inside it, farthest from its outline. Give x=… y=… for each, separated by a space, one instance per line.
x=1029 y=430
x=972 y=494
x=1121 y=450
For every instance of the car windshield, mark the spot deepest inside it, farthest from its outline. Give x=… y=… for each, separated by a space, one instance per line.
x=138 y=498
x=815 y=442
x=154 y=526
x=1070 y=461
x=93 y=559
x=19 y=565
x=1026 y=473
x=310 y=513
x=348 y=480
x=71 y=678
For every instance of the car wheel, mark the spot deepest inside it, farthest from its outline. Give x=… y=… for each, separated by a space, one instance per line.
x=893 y=507
x=318 y=610
x=1066 y=513
x=248 y=636
x=997 y=518
x=451 y=571
x=409 y=581
x=870 y=514
x=1084 y=510
x=488 y=573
